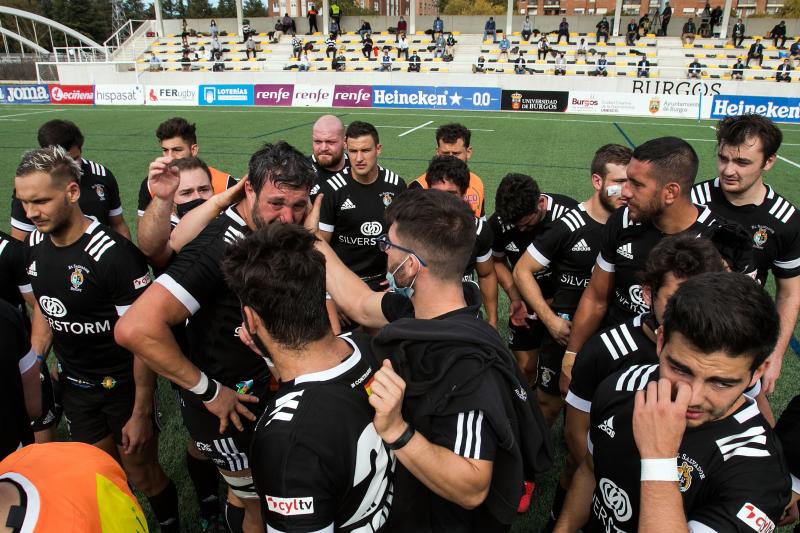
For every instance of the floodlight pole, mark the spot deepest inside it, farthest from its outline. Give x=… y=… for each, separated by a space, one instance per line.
x=326 y=18
x=617 y=17
x=239 y=17
x=726 y=19
x=509 y=14
x=412 y=15
x=159 y=18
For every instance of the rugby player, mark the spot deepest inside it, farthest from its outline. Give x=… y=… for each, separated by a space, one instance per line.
x=99 y=198
x=747 y=148
x=677 y=446
x=522 y=211
x=315 y=445
x=328 y=148
x=220 y=371
x=85 y=276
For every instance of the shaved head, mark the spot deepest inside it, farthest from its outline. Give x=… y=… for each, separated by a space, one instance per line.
x=327 y=142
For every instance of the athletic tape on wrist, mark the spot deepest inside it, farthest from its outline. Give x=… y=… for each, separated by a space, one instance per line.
x=202 y=385
x=660 y=469
x=218 y=386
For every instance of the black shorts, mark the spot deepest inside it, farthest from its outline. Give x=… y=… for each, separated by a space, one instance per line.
x=228 y=450
x=522 y=339
x=51 y=402
x=550 y=357
x=95 y=412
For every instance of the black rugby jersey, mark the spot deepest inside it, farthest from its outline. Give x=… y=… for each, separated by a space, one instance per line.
x=774 y=225
x=605 y=353
x=568 y=246
x=510 y=243
x=318 y=462
x=16 y=357
x=324 y=174
x=99 y=197
x=788 y=431
x=732 y=475
x=354 y=214
x=82 y=290
x=195 y=279
x=13 y=276
x=482 y=251
x=624 y=250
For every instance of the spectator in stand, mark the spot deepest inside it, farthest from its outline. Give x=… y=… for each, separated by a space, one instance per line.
x=602 y=66
x=490 y=28
x=450 y=44
x=213 y=30
x=365 y=29
x=440 y=44
x=602 y=29
x=666 y=15
x=519 y=64
x=186 y=61
x=504 y=46
x=386 y=61
x=778 y=33
x=689 y=32
x=155 y=63
x=297 y=47
x=738 y=69
x=366 y=46
x=738 y=33
x=794 y=51
x=289 y=25
x=250 y=47
x=644 y=25
x=219 y=65
x=783 y=72
x=705 y=21
x=716 y=17
x=694 y=69
x=581 y=50
x=402 y=28
x=215 y=46
x=276 y=35
x=247 y=31
x=643 y=68
x=339 y=63
x=311 y=15
x=561 y=65
x=563 y=31
x=414 y=62
x=480 y=66
x=756 y=51
x=402 y=46
x=305 y=62
x=334 y=28
x=527 y=28
x=335 y=12
x=438 y=28
x=631 y=33
x=330 y=46
x=542 y=48
x=184 y=33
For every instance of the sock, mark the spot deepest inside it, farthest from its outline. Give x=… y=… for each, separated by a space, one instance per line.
x=205 y=478
x=165 y=507
x=234 y=517
x=555 y=510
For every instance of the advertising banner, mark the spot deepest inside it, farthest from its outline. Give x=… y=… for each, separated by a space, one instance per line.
x=24 y=94
x=118 y=94
x=274 y=94
x=553 y=101
x=226 y=95
x=676 y=106
x=776 y=108
x=71 y=94
x=352 y=96
x=312 y=96
x=171 y=95
x=419 y=97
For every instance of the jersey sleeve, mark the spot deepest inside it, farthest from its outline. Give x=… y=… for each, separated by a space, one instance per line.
x=13 y=263
x=483 y=242
x=414 y=185
x=394 y=307
x=144 y=198
x=114 y=200
x=498 y=247
x=18 y=218
x=129 y=276
x=549 y=243
x=788 y=431
x=328 y=209
x=787 y=263
x=467 y=434
x=586 y=375
x=231 y=181
x=608 y=242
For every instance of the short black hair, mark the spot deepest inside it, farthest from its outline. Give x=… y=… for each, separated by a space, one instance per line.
x=516 y=197
x=672 y=160
x=439 y=227
x=177 y=127
x=615 y=154
x=63 y=133
x=281 y=164
x=734 y=131
x=360 y=129
x=724 y=311
x=451 y=133
x=684 y=256
x=278 y=273
x=448 y=168
x=191 y=163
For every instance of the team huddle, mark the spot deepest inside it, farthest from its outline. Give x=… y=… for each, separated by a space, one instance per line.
x=331 y=335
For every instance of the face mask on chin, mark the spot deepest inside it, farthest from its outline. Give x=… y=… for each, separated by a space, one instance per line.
x=406 y=292
x=182 y=209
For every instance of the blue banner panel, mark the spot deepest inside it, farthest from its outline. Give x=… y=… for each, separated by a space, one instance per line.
x=424 y=97
x=777 y=108
x=226 y=95
x=24 y=94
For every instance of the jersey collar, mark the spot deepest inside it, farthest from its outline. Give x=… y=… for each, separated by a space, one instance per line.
x=335 y=372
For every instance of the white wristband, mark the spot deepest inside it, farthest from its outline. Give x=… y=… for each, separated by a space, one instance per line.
x=660 y=469
x=202 y=385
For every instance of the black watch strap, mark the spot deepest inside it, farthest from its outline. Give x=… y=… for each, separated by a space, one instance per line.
x=403 y=439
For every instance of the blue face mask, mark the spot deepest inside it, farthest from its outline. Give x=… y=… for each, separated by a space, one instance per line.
x=407 y=292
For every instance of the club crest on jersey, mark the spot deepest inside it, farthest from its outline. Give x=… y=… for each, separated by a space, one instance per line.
x=685 y=476
x=100 y=190
x=108 y=382
x=760 y=237
x=387 y=198
x=547 y=375
x=76 y=277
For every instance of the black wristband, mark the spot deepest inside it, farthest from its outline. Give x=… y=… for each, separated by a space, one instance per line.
x=403 y=439
x=211 y=392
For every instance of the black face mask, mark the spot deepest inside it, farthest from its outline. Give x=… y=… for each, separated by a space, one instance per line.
x=182 y=209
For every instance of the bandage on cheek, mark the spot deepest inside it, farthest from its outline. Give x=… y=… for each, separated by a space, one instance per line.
x=614 y=190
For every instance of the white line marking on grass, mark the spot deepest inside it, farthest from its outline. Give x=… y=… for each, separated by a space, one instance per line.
x=12 y=119
x=788 y=161
x=412 y=130
x=406 y=127
x=714 y=140
x=31 y=113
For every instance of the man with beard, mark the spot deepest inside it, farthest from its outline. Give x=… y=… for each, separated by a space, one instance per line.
x=678 y=446
x=220 y=371
x=328 y=149
x=661 y=174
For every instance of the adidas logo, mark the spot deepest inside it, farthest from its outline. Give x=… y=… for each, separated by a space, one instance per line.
x=626 y=250
x=348 y=205
x=511 y=247
x=608 y=426
x=32 y=270
x=581 y=246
